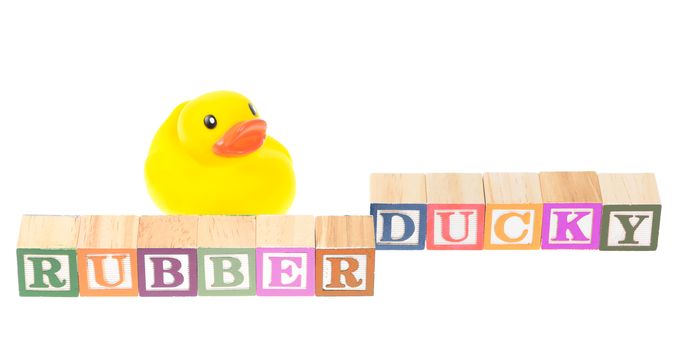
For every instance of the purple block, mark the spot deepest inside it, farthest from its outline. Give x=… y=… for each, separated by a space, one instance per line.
x=285 y=271
x=167 y=272
x=571 y=226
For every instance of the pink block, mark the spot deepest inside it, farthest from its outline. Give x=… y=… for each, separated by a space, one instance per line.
x=462 y=223
x=285 y=271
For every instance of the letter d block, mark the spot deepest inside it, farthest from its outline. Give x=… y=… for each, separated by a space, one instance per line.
x=285 y=255
x=167 y=256
x=106 y=255
x=226 y=255
x=46 y=256
x=631 y=212
x=572 y=210
x=398 y=207
x=513 y=211
x=345 y=256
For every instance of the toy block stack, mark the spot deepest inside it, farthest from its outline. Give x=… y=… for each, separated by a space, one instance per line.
x=226 y=255
x=456 y=210
x=106 y=255
x=513 y=211
x=345 y=255
x=631 y=212
x=285 y=255
x=398 y=206
x=167 y=255
x=572 y=210
x=46 y=256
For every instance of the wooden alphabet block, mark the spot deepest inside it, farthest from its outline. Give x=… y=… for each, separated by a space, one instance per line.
x=345 y=256
x=106 y=255
x=46 y=256
x=398 y=207
x=513 y=211
x=285 y=255
x=167 y=256
x=455 y=211
x=226 y=255
x=631 y=212
x=572 y=210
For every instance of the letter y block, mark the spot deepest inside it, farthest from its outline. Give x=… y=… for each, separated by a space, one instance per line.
x=345 y=256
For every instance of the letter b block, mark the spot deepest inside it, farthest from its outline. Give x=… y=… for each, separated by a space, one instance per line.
x=46 y=256
x=167 y=256
x=226 y=255
x=398 y=207
x=345 y=256
x=285 y=255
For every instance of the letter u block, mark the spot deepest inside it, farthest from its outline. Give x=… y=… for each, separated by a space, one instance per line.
x=345 y=256
x=456 y=210
x=226 y=255
x=285 y=255
x=631 y=212
x=513 y=211
x=106 y=255
x=167 y=256
x=572 y=210
x=46 y=256
x=399 y=210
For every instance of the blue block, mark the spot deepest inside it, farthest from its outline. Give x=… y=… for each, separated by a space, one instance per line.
x=399 y=226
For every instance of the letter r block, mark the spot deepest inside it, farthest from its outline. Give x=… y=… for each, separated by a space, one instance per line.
x=226 y=255
x=167 y=256
x=345 y=256
x=285 y=255
x=46 y=256
x=631 y=212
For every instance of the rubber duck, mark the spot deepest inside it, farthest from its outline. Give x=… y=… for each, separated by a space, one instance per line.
x=212 y=155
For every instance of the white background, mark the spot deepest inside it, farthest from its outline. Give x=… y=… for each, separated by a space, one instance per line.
x=350 y=88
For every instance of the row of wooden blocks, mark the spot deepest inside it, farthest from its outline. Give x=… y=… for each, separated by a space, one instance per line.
x=551 y=210
x=196 y=255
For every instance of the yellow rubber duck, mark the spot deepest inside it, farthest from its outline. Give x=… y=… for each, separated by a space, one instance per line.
x=212 y=156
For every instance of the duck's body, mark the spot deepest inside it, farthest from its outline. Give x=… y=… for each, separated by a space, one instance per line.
x=230 y=168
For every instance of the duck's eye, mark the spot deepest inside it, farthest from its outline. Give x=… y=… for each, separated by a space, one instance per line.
x=210 y=121
x=250 y=106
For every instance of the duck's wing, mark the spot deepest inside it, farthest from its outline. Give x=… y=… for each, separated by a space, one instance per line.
x=276 y=145
x=167 y=135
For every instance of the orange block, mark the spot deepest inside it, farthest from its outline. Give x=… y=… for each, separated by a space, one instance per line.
x=513 y=226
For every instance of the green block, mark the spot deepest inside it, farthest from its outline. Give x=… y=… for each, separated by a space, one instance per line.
x=226 y=271
x=47 y=272
x=630 y=227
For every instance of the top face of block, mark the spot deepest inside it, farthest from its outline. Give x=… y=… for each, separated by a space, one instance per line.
x=284 y=231
x=220 y=231
x=345 y=232
x=629 y=189
x=512 y=188
x=107 y=232
x=398 y=188
x=455 y=189
x=570 y=187
x=48 y=232
x=168 y=231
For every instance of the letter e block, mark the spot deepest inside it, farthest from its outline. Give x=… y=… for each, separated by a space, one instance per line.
x=345 y=256
x=46 y=256
x=398 y=207
x=285 y=255
x=167 y=256
x=631 y=212
x=226 y=255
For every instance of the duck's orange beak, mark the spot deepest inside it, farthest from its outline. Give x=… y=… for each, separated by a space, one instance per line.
x=242 y=138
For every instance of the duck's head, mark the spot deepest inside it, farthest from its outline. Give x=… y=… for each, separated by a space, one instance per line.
x=220 y=123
